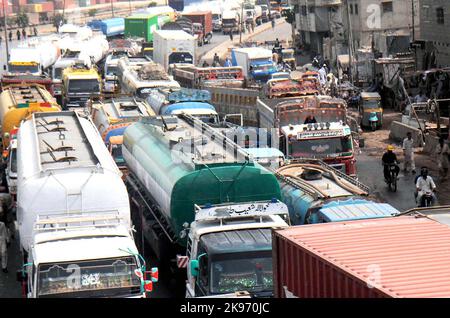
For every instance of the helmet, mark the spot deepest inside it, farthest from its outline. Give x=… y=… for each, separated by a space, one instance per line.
x=390 y=148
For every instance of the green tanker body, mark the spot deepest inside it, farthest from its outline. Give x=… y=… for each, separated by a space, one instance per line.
x=176 y=183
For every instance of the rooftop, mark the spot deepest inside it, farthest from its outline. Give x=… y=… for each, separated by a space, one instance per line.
x=24 y=94
x=125 y=107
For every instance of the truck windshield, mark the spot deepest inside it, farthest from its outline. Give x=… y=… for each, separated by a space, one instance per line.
x=13 y=160
x=216 y=16
x=111 y=70
x=57 y=73
x=84 y=86
x=267 y=68
x=13 y=68
x=116 y=153
x=371 y=104
x=242 y=274
x=211 y=119
x=321 y=147
x=97 y=278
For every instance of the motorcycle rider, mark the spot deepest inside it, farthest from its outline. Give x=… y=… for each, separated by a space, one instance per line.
x=425 y=185
x=390 y=158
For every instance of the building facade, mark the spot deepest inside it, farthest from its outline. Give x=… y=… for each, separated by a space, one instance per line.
x=435 y=28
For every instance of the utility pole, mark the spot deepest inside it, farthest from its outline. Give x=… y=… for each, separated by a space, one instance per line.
x=350 y=42
x=241 y=23
x=6 y=31
x=112 y=8
x=413 y=13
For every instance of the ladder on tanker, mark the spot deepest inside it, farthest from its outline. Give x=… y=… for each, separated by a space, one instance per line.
x=153 y=208
x=77 y=221
x=340 y=174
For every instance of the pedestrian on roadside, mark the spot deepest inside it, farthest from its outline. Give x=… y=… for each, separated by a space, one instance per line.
x=0 y=40
x=24 y=34
x=216 y=59
x=443 y=152
x=231 y=35
x=18 y=35
x=228 y=63
x=35 y=31
x=408 y=151
x=10 y=36
x=273 y=23
x=4 y=243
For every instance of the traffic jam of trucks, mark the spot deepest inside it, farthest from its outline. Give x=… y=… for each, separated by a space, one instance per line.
x=130 y=164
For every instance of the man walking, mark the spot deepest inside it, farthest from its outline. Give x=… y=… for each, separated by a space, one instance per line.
x=231 y=35
x=18 y=35
x=443 y=152
x=408 y=151
x=10 y=36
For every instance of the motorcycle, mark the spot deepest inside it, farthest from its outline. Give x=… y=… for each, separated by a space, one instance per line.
x=427 y=200
x=392 y=181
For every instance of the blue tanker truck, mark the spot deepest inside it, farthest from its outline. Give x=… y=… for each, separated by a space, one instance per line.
x=318 y=193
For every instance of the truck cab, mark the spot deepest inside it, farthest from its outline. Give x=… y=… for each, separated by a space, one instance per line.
x=111 y=82
x=79 y=84
x=330 y=142
x=230 y=249
x=89 y=255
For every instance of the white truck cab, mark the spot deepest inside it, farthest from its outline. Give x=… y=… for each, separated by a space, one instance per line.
x=230 y=249
x=84 y=255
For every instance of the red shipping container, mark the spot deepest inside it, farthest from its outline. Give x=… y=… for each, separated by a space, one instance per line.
x=47 y=7
x=403 y=256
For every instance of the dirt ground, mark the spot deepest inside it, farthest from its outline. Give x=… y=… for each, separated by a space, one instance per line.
x=376 y=143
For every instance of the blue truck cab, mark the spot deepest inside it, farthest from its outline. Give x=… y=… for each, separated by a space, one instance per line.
x=256 y=62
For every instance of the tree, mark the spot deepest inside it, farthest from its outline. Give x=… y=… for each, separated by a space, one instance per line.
x=92 y=12
x=22 y=19
x=152 y=4
x=290 y=18
x=58 y=19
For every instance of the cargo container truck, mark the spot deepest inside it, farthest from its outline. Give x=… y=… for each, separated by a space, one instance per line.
x=231 y=22
x=109 y=27
x=396 y=257
x=256 y=63
x=18 y=102
x=143 y=25
x=317 y=193
x=79 y=84
x=112 y=116
x=89 y=255
x=172 y=47
x=202 y=21
x=191 y=76
x=213 y=210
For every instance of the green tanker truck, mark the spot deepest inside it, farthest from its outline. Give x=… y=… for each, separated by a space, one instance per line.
x=198 y=198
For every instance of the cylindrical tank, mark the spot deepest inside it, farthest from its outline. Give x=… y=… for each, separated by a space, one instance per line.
x=83 y=178
x=177 y=186
x=18 y=102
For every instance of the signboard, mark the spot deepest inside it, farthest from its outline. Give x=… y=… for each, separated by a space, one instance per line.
x=320 y=134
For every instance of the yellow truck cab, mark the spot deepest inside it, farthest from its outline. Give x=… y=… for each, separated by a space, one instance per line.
x=18 y=102
x=79 y=84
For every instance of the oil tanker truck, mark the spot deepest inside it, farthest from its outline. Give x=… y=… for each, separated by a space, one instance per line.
x=73 y=213
x=197 y=198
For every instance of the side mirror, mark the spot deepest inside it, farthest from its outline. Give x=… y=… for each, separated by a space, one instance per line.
x=194 y=267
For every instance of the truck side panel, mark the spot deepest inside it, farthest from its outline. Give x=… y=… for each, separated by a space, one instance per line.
x=299 y=273
x=235 y=101
x=265 y=115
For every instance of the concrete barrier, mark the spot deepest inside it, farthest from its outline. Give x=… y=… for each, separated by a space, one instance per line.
x=431 y=143
x=399 y=130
